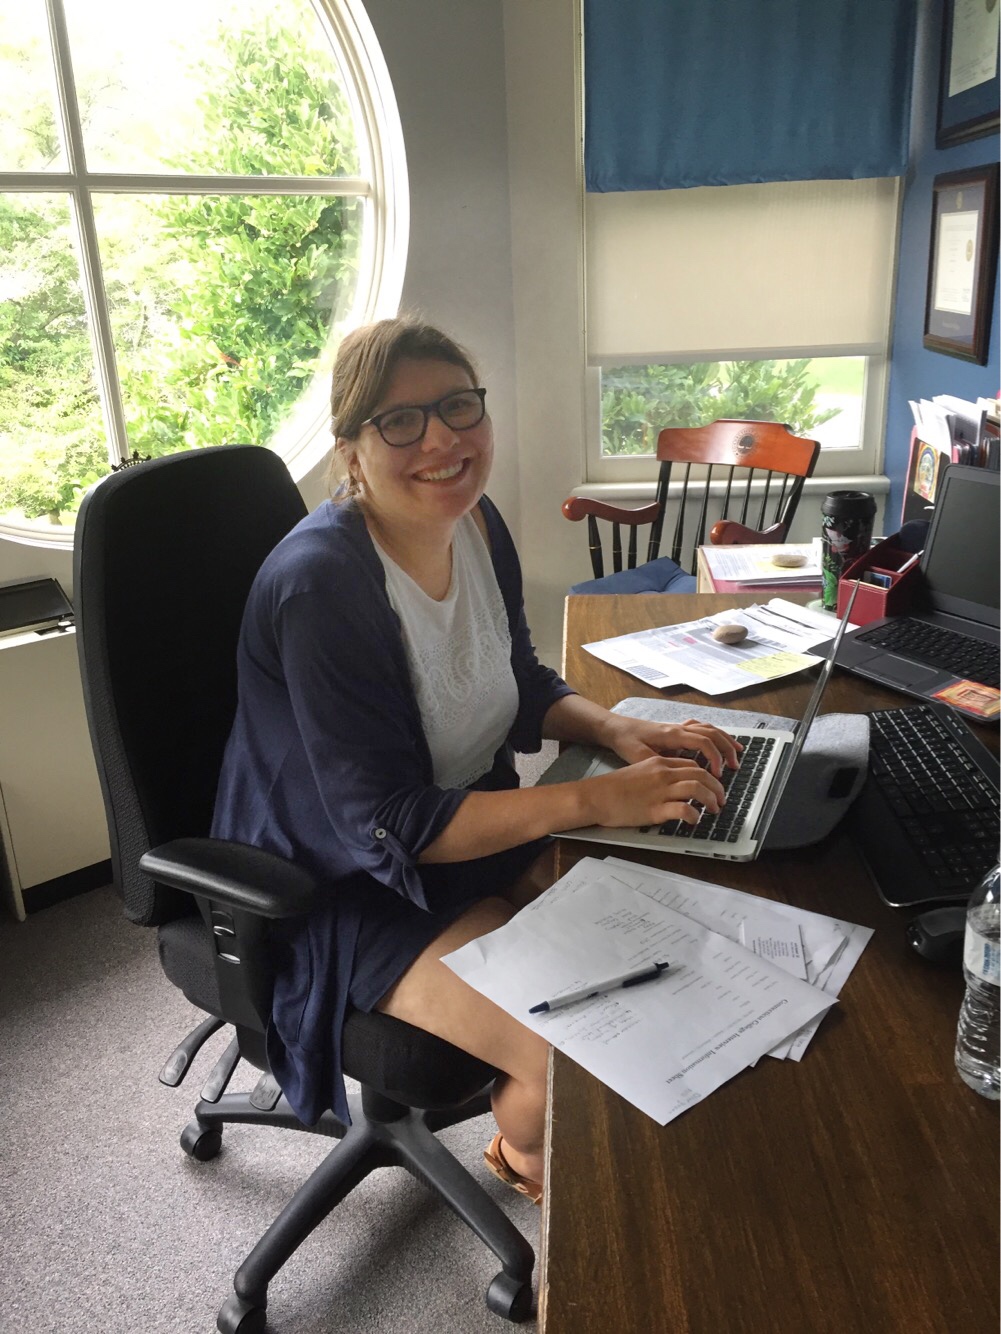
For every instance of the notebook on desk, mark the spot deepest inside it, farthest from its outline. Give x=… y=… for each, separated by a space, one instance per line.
x=946 y=648
x=753 y=791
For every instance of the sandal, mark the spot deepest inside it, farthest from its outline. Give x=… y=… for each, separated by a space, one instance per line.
x=498 y=1164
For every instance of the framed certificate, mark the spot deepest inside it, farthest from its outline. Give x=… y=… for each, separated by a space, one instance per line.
x=969 y=87
x=962 y=262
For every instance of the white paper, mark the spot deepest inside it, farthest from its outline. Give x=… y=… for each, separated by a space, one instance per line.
x=973 y=58
x=688 y=654
x=783 y=948
x=832 y=947
x=955 y=266
x=755 y=564
x=663 y=1045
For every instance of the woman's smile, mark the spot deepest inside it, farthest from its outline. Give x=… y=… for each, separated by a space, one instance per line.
x=445 y=473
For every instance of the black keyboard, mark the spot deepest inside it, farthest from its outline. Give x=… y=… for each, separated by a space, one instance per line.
x=936 y=646
x=740 y=786
x=926 y=821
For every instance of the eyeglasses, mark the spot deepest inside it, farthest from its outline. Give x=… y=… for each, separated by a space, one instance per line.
x=404 y=426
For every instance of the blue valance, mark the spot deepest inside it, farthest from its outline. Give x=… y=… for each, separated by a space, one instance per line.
x=724 y=92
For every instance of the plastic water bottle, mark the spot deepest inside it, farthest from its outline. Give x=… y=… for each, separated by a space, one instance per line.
x=977 y=1039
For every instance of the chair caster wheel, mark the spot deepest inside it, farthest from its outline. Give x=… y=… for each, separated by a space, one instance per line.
x=238 y=1317
x=199 y=1143
x=508 y=1298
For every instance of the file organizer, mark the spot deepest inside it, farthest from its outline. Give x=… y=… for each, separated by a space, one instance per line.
x=873 y=602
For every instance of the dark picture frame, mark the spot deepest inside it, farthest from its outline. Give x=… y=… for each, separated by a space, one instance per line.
x=962 y=263
x=971 y=111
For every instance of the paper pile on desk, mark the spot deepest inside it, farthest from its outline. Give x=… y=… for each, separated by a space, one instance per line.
x=756 y=565
x=778 y=634
x=666 y=1045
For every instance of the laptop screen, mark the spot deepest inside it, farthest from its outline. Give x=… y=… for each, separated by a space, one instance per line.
x=960 y=564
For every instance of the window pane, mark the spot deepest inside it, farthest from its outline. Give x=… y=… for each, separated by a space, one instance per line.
x=210 y=87
x=29 y=136
x=52 y=439
x=820 y=398
x=223 y=309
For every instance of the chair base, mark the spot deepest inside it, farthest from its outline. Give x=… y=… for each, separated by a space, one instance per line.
x=383 y=1133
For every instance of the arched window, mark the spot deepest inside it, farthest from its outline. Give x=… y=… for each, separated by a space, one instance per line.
x=196 y=200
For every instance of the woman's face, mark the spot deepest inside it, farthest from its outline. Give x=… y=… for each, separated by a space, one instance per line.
x=439 y=478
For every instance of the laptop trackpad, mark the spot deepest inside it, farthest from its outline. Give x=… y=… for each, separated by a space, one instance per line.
x=888 y=668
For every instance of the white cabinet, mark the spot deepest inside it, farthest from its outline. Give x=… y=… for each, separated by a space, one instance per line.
x=51 y=812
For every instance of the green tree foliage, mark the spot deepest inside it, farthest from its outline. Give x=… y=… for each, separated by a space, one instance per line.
x=638 y=401
x=250 y=283
x=221 y=305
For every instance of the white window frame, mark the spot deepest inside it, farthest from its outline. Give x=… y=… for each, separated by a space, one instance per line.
x=640 y=471
x=383 y=191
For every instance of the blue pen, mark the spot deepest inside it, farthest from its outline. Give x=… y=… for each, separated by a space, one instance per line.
x=647 y=973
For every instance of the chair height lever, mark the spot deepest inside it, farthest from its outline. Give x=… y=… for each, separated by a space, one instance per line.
x=180 y=1058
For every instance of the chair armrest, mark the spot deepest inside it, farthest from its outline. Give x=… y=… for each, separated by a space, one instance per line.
x=729 y=533
x=235 y=874
x=578 y=507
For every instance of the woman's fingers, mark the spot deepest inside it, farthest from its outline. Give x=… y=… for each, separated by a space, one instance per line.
x=717 y=746
x=655 y=790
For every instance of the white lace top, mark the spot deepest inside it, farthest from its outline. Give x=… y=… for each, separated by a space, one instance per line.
x=459 y=654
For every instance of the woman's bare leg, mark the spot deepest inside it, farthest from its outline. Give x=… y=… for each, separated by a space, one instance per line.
x=430 y=996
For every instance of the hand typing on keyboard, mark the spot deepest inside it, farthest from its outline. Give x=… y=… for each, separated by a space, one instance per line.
x=635 y=739
x=663 y=787
x=672 y=772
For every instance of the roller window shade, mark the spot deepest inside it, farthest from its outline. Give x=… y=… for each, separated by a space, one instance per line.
x=686 y=93
x=744 y=271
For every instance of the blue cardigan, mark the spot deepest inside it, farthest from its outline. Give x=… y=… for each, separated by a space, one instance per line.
x=327 y=764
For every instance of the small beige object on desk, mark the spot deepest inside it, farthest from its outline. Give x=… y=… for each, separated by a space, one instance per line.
x=730 y=634
x=789 y=560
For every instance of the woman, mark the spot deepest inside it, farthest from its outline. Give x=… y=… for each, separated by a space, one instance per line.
x=385 y=677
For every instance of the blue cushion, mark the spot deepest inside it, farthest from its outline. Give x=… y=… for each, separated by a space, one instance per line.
x=656 y=576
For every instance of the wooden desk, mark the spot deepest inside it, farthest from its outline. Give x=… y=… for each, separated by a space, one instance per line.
x=856 y=1190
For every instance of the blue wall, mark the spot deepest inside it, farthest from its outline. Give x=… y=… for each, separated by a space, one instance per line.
x=914 y=371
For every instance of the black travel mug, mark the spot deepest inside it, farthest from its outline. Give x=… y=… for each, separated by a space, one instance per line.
x=845 y=534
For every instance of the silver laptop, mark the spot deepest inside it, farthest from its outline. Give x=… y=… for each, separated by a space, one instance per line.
x=753 y=791
x=952 y=634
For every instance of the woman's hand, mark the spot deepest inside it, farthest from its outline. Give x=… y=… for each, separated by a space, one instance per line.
x=636 y=739
x=651 y=791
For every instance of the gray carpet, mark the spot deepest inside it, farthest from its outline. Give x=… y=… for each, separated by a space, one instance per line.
x=107 y=1226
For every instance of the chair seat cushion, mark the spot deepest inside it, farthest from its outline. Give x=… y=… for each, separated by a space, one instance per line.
x=394 y=1058
x=655 y=576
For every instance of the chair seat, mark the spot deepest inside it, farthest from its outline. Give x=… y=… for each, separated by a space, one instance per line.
x=655 y=576
x=394 y=1058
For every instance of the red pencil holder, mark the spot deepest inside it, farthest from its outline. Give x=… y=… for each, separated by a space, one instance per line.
x=873 y=602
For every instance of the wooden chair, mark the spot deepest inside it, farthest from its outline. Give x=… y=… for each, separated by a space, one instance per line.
x=744 y=453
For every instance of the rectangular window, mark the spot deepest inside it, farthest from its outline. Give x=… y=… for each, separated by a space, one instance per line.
x=768 y=302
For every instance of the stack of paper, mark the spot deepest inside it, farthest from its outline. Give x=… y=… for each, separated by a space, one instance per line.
x=756 y=564
x=779 y=634
x=747 y=977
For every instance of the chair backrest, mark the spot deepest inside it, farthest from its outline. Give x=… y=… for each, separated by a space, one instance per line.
x=164 y=557
x=754 y=457
x=743 y=452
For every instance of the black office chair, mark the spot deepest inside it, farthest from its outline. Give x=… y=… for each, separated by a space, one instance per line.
x=165 y=554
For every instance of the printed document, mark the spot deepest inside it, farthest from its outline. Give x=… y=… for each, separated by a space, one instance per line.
x=779 y=634
x=756 y=565
x=663 y=1045
x=831 y=947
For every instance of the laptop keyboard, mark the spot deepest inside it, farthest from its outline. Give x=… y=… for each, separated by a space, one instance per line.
x=946 y=806
x=740 y=786
x=972 y=659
